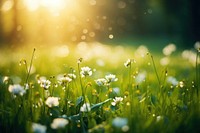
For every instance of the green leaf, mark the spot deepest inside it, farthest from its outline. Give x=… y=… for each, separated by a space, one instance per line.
x=98 y=105
x=75 y=117
x=79 y=101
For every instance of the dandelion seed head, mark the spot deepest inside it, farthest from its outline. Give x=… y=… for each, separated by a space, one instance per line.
x=142 y=51
x=197 y=45
x=167 y=50
x=164 y=61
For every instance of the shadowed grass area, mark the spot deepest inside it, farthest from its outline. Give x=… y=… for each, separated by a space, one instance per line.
x=93 y=87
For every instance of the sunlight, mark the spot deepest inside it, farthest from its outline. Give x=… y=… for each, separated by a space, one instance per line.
x=52 y=5
x=7 y=5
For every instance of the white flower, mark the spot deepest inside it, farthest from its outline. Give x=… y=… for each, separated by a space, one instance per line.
x=101 y=82
x=16 y=89
x=111 y=78
x=172 y=80
x=72 y=76
x=169 y=49
x=52 y=102
x=38 y=128
x=59 y=123
x=85 y=107
x=120 y=122
x=64 y=80
x=128 y=62
x=116 y=101
x=44 y=83
x=86 y=71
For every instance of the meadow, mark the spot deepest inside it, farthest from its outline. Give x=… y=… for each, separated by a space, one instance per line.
x=95 y=88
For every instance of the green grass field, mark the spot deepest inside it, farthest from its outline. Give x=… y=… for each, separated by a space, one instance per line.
x=93 y=87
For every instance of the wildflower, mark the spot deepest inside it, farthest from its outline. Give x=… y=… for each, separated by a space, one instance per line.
x=6 y=79
x=59 y=123
x=86 y=71
x=44 y=83
x=169 y=49
x=16 y=89
x=111 y=78
x=172 y=80
x=38 y=128
x=127 y=63
x=64 y=80
x=119 y=122
x=116 y=101
x=181 y=84
x=85 y=107
x=101 y=81
x=52 y=102
x=72 y=76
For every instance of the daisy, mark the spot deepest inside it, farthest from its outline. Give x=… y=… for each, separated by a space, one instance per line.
x=86 y=71
x=111 y=78
x=101 y=82
x=116 y=101
x=44 y=83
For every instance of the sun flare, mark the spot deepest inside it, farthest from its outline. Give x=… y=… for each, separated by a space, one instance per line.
x=53 y=5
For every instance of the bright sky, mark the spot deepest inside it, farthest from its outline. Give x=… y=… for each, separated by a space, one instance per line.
x=55 y=5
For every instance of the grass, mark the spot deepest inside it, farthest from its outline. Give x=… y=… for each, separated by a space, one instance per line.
x=141 y=95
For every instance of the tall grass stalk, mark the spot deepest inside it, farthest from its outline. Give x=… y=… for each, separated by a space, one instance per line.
x=197 y=73
x=31 y=63
x=80 y=79
x=155 y=69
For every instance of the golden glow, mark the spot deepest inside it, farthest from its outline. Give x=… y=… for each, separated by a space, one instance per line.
x=52 y=5
x=7 y=5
